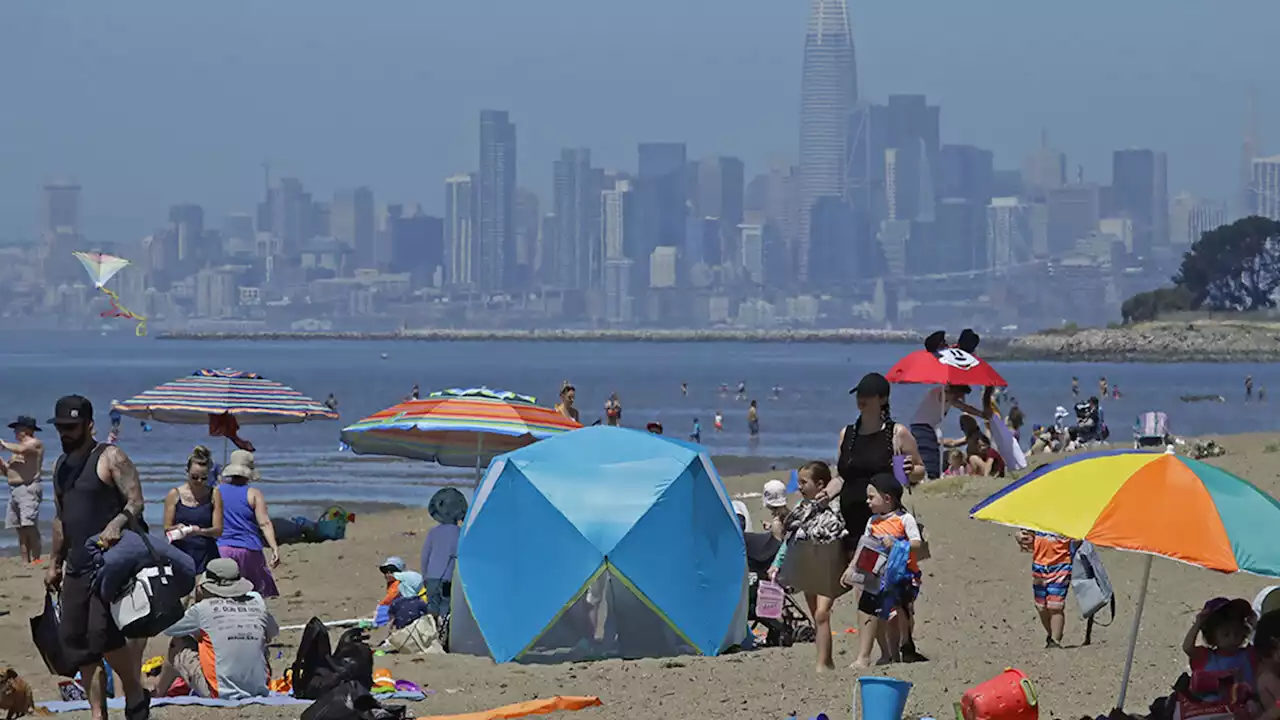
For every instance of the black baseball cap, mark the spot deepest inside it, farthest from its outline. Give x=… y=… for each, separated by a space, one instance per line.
x=871 y=385
x=72 y=409
x=25 y=421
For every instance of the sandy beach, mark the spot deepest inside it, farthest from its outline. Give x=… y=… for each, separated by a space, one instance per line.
x=975 y=618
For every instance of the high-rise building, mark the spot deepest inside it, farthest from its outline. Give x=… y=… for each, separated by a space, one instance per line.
x=1190 y=217
x=1009 y=240
x=417 y=245
x=1139 y=181
x=287 y=212
x=1073 y=213
x=616 y=211
x=1266 y=187
x=1044 y=170
x=528 y=232
x=662 y=192
x=496 y=201
x=965 y=171
x=828 y=96
x=187 y=222
x=60 y=207
x=577 y=208
x=720 y=194
x=351 y=220
x=459 y=230
x=1249 y=149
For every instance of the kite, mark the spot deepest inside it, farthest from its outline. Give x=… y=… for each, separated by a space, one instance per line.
x=101 y=267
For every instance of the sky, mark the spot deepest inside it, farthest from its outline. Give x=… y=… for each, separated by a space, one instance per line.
x=150 y=103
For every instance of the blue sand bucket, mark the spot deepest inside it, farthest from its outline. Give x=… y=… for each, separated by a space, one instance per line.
x=881 y=698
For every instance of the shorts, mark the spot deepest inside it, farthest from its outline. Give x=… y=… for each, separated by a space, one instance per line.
x=753 y=427
x=186 y=662
x=87 y=630
x=24 y=506
x=1050 y=584
x=874 y=603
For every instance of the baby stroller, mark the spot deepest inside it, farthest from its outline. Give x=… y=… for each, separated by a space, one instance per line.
x=1151 y=430
x=794 y=626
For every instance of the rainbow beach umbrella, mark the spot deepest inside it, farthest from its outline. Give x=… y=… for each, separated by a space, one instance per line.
x=248 y=397
x=456 y=428
x=1156 y=503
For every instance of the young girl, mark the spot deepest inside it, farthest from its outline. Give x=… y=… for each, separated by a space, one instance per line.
x=956 y=464
x=812 y=557
x=886 y=614
x=1226 y=670
x=775 y=503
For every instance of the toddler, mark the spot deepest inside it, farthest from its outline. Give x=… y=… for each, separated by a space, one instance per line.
x=956 y=464
x=1225 y=668
x=775 y=503
x=813 y=555
x=886 y=614
x=1050 y=579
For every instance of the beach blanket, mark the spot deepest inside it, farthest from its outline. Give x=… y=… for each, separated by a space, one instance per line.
x=62 y=706
x=544 y=706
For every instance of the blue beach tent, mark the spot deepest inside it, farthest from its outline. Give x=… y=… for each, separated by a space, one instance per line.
x=599 y=543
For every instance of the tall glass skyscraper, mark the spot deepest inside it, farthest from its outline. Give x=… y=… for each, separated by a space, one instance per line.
x=828 y=96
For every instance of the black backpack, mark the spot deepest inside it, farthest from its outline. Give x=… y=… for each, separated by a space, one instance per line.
x=319 y=669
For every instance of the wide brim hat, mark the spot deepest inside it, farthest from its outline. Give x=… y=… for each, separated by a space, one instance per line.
x=448 y=506
x=241 y=464
x=25 y=421
x=222 y=578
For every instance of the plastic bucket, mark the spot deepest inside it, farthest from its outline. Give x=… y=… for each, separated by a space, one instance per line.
x=881 y=698
x=769 y=599
x=1007 y=696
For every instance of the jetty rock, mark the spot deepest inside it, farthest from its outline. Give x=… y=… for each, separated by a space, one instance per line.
x=1160 y=341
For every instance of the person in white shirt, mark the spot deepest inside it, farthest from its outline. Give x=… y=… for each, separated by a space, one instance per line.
x=926 y=425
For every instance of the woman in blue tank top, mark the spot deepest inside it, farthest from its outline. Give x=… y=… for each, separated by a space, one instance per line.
x=245 y=524
x=196 y=504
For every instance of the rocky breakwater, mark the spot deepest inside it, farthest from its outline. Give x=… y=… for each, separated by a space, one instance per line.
x=1198 y=341
x=459 y=335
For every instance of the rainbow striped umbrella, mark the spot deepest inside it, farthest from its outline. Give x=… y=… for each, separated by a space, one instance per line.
x=1155 y=503
x=248 y=397
x=456 y=428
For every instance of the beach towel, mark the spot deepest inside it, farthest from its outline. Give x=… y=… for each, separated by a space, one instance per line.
x=543 y=706
x=63 y=706
x=1006 y=444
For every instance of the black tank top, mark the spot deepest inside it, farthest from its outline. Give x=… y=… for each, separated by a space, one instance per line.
x=861 y=457
x=87 y=504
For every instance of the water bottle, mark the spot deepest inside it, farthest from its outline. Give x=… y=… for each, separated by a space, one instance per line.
x=179 y=532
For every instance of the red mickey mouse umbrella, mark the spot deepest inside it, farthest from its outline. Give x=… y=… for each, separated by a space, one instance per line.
x=952 y=365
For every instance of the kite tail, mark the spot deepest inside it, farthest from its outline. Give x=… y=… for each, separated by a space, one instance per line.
x=120 y=311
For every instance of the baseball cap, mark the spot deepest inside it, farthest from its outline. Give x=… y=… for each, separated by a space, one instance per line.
x=775 y=494
x=871 y=385
x=72 y=409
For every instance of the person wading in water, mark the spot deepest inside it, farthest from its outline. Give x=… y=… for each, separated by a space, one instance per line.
x=97 y=492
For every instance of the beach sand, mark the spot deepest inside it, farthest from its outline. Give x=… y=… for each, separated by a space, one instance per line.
x=975 y=618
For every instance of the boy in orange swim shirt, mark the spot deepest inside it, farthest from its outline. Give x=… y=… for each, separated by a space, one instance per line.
x=1050 y=579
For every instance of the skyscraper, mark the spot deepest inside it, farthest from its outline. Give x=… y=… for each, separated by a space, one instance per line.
x=496 y=202
x=1266 y=187
x=720 y=194
x=351 y=221
x=60 y=207
x=828 y=96
x=459 y=230
x=1139 y=180
x=662 y=199
x=577 y=208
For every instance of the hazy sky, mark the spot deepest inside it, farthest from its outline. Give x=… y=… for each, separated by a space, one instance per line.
x=154 y=102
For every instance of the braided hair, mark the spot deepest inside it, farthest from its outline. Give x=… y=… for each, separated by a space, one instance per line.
x=886 y=417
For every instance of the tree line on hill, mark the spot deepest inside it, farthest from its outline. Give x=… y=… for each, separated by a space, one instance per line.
x=1234 y=268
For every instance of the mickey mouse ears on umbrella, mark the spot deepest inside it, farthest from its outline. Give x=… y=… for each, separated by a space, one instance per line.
x=942 y=364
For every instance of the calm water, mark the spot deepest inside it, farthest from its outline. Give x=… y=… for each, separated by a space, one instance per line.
x=304 y=468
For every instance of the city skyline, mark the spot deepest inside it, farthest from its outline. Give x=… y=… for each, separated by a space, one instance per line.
x=114 y=211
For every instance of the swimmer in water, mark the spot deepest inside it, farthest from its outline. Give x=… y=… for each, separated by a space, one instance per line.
x=777 y=392
x=684 y=389
x=719 y=421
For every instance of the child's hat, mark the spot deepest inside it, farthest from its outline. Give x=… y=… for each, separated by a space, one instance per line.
x=775 y=494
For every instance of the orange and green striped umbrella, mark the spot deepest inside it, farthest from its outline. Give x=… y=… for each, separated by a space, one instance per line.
x=1149 y=502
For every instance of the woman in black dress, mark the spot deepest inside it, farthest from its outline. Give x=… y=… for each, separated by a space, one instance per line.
x=867 y=447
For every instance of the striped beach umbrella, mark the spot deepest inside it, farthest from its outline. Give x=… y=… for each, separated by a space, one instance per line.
x=456 y=428
x=247 y=397
x=1154 y=503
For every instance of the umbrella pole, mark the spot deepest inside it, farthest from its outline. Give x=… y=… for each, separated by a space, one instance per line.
x=1133 y=634
x=479 y=451
x=938 y=433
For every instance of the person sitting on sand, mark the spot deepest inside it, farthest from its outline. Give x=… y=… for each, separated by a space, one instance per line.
x=1050 y=580
x=982 y=458
x=812 y=557
x=956 y=464
x=1224 y=669
x=219 y=647
x=885 y=614
x=405 y=600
